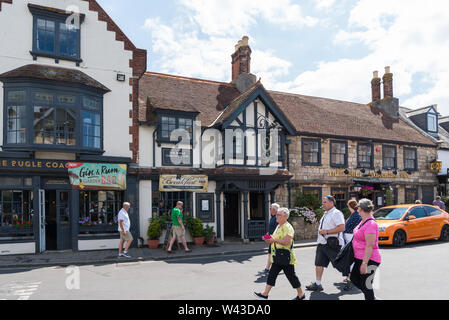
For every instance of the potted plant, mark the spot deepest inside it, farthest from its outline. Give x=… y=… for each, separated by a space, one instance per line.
x=197 y=232
x=154 y=233
x=209 y=235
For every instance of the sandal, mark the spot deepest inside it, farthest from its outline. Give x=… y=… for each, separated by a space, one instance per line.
x=188 y=251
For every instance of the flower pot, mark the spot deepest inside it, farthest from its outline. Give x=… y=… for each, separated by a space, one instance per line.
x=211 y=241
x=198 y=241
x=153 y=244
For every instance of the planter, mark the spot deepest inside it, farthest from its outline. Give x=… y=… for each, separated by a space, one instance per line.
x=153 y=244
x=198 y=241
x=303 y=230
x=211 y=241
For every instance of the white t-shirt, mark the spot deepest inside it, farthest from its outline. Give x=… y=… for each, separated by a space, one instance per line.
x=330 y=220
x=123 y=215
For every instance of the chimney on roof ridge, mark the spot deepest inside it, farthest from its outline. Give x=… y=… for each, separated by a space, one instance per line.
x=389 y=104
x=375 y=86
x=241 y=66
x=388 y=83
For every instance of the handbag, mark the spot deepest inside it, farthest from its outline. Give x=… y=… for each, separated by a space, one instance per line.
x=345 y=258
x=282 y=257
x=331 y=242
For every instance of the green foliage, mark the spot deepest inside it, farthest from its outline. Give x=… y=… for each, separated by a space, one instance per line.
x=188 y=222
x=319 y=213
x=446 y=202
x=154 y=230
x=311 y=201
x=197 y=228
x=208 y=232
x=346 y=212
x=163 y=221
x=388 y=197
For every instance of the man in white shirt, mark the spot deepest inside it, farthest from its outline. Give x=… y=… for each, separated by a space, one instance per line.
x=330 y=240
x=123 y=227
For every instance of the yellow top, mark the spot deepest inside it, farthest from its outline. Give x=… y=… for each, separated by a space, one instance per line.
x=280 y=233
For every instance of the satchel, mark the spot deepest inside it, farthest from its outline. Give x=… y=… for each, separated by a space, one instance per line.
x=333 y=243
x=345 y=258
x=282 y=257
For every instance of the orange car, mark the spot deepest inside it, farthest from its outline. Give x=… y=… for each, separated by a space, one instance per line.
x=401 y=224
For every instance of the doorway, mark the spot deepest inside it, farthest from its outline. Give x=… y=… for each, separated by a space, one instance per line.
x=231 y=215
x=57 y=220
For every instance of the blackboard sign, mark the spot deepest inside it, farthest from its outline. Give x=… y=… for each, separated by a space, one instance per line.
x=176 y=157
x=205 y=207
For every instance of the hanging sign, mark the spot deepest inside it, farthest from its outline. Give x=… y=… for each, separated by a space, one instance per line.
x=436 y=166
x=194 y=183
x=97 y=176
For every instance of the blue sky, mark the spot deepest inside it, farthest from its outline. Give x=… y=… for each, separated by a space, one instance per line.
x=326 y=48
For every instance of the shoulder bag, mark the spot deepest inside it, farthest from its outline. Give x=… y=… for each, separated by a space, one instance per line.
x=345 y=258
x=282 y=256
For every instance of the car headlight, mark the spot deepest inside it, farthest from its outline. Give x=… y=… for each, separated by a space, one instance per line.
x=382 y=229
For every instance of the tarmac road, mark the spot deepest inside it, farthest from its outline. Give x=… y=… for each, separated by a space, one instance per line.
x=404 y=274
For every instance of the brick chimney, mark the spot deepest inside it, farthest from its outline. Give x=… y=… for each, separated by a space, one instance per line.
x=241 y=59
x=388 y=83
x=375 y=86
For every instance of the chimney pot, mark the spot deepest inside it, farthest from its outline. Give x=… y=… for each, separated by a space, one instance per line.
x=245 y=41
x=388 y=83
x=376 y=74
x=387 y=69
x=241 y=59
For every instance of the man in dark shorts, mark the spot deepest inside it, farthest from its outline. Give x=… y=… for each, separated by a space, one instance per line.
x=271 y=228
x=330 y=240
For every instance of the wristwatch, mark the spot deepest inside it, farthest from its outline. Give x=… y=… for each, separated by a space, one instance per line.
x=327 y=232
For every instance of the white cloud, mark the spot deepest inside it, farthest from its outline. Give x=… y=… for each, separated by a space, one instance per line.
x=324 y=4
x=404 y=34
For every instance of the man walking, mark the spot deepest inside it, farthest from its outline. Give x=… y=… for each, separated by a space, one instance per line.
x=178 y=229
x=330 y=240
x=439 y=203
x=274 y=208
x=123 y=227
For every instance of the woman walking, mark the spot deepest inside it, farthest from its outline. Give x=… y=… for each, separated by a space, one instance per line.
x=282 y=241
x=352 y=222
x=366 y=250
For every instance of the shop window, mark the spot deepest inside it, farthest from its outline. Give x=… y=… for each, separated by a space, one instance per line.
x=411 y=195
x=339 y=153
x=100 y=208
x=311 y=152
x=341 y=197
x=16 y=210
x=316 y=191
x=257 y=210
x=164 y=202
x=410 y=159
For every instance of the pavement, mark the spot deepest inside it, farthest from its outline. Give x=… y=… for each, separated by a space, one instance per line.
x=70 y=258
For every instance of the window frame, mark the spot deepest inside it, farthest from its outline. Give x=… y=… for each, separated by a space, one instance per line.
x=33 y=87
x=395 y=166
x=431 y=114
x=335 y=165
x=57 y=18
x=177 y=116
x=415 y=168
x=306 y=163
x=371 y=164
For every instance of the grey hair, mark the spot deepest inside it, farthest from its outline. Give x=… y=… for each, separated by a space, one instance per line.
x=285 y=212
x=275 y=206
x=126 y=204
x=366 y=205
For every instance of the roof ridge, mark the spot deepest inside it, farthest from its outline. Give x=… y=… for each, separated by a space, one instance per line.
x=186 y=78
x=315 y=97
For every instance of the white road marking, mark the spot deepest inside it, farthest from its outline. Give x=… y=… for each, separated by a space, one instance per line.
x=21 y=291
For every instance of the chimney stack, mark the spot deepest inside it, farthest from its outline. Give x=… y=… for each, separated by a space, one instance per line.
x=375 y=86
x=388 y=83
x=241 y=59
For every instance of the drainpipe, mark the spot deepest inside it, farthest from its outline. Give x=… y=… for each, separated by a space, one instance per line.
x=154 y=147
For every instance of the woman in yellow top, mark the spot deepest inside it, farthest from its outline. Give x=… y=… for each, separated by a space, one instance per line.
x=282 y=239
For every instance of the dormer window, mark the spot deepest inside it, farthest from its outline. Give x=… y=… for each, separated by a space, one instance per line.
x=432 y=122
x=171 y=122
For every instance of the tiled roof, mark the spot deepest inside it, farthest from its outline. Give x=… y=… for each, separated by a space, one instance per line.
x=37 y=71
x=308 y=115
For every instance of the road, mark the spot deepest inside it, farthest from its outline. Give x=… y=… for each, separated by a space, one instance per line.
x=404 y=274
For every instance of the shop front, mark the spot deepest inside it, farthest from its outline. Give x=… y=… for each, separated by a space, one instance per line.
x=43 y=209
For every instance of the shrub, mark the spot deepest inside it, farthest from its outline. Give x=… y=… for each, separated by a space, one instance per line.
x=311 y=201
x=308 y=215
x=197 y=228
x=154 y=230
x=346 y=212
x=208 y=232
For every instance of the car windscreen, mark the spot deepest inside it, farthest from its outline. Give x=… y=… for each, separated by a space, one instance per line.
x=390 y=213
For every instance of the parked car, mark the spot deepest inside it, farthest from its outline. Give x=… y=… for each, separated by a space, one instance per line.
x=402 y=224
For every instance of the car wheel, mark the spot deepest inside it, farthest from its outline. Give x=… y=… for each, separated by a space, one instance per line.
x=399 y=238
x=444 y=233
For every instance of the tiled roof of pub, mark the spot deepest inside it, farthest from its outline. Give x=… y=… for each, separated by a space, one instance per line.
x=36 y=71
x=309 y=115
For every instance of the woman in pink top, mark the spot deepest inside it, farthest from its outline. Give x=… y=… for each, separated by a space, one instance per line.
x=366 y=250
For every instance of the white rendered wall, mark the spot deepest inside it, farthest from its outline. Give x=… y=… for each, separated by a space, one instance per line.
x=145 y=207
x=103 y=57
x=17 y=248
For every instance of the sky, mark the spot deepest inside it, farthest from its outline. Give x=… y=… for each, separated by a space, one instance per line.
x=323 y=48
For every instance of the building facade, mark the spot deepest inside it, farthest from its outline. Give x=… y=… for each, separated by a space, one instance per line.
x=69 y=92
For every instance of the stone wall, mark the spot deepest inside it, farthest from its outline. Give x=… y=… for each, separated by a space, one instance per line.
x=303 y=230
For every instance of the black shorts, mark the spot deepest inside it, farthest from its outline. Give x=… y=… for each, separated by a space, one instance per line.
x=324 y=255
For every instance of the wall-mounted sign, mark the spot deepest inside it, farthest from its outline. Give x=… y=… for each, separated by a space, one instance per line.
x=97 y=176
x=372 y=174
x=194 y=183
x=176 y=157
x=436 y=166
x=33 y=165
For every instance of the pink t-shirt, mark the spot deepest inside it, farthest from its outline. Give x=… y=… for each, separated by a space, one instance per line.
x=359 y=243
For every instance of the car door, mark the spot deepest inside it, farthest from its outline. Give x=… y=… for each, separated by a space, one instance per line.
x=436 y=221
x=419 y=227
